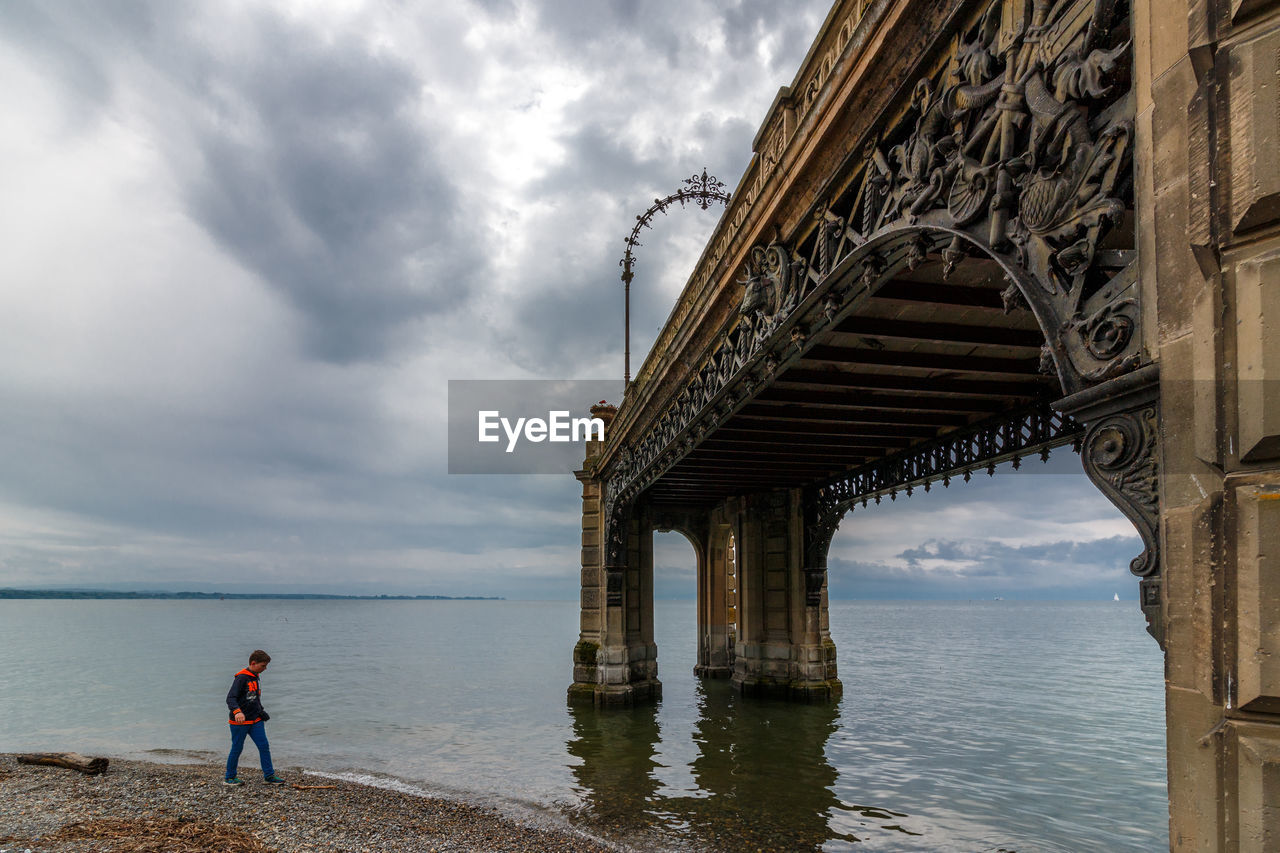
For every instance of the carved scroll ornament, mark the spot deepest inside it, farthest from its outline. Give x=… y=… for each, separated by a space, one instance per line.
x=768 y=290
x=1120 y=458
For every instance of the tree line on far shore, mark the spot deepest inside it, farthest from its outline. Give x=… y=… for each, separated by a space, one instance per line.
x=104 y=593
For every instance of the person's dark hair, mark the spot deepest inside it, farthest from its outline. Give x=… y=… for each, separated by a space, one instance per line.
x=259 y=656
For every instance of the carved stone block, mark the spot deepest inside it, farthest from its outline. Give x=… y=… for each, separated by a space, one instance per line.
x=1254 y=91
x=1173 y=92
x=1189 y=562
x=1257 y=513
x=1200 y=163
x=1170 y=226
x=1257 y=774
x=1161 y=40
x=1190 y=448
x=1207 y=357
x=590 y=598
x=1258 y=355
x=778 y=652
x=1195 y=780
x=611 y=674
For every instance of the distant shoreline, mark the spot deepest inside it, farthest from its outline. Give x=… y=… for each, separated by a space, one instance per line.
x=239 y=596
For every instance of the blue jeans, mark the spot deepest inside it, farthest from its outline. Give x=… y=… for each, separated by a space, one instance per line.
x=257 y=731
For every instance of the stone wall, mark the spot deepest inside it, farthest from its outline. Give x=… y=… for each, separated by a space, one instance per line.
x=1208 y=198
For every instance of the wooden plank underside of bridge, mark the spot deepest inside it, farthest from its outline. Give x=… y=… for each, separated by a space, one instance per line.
x=922 y=357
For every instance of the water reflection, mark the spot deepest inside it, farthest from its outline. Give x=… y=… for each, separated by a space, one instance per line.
x=764 y=772
x=616 y=778
x=761 y=776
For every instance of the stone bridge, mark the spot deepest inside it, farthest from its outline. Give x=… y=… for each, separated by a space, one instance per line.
x=972 y=232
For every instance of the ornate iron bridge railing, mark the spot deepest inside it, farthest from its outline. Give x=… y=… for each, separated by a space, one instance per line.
x=1037 y=429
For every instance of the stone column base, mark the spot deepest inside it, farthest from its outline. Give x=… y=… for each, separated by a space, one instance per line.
x=701 y=671
x=792 y=691
x=615 y=695
x=802 y=673
x=614 y=676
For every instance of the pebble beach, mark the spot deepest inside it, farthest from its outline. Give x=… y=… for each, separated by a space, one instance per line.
x=185 y=808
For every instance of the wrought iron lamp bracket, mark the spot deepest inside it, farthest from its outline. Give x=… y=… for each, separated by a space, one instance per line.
x=701 y=190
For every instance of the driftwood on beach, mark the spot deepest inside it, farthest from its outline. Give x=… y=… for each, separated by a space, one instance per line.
x=69 y=760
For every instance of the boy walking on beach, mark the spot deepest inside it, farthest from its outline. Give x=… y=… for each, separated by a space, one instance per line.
x=244 y=701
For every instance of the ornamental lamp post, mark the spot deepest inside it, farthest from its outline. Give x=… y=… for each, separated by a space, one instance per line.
x=702 y=190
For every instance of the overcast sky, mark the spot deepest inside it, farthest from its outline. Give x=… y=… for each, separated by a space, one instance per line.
x=247 y=244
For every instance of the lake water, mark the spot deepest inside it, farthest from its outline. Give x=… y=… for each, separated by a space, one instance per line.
x=984 y=726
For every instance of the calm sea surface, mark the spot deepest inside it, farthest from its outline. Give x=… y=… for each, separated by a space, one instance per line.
x=986 y=726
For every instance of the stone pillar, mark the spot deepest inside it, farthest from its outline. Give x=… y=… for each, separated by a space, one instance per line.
x=591 y=597
x=784 y=649
x=1207 y=192
x=640 y=652
x=816 y=677
x=615 y=661
x=762 y=653
x=591 y=619
x=716 y=631
x=618 y=665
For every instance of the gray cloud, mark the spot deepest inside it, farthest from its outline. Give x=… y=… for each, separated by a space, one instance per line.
x=330 y=191
x=305 y=154
x=995 y=559
x=55 y=35
x=247 y=248
x=950 y=568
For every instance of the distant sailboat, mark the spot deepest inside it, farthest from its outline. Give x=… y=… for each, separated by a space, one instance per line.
x=1117 y=597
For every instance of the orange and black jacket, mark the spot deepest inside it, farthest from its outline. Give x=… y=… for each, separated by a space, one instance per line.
x=246 y=696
